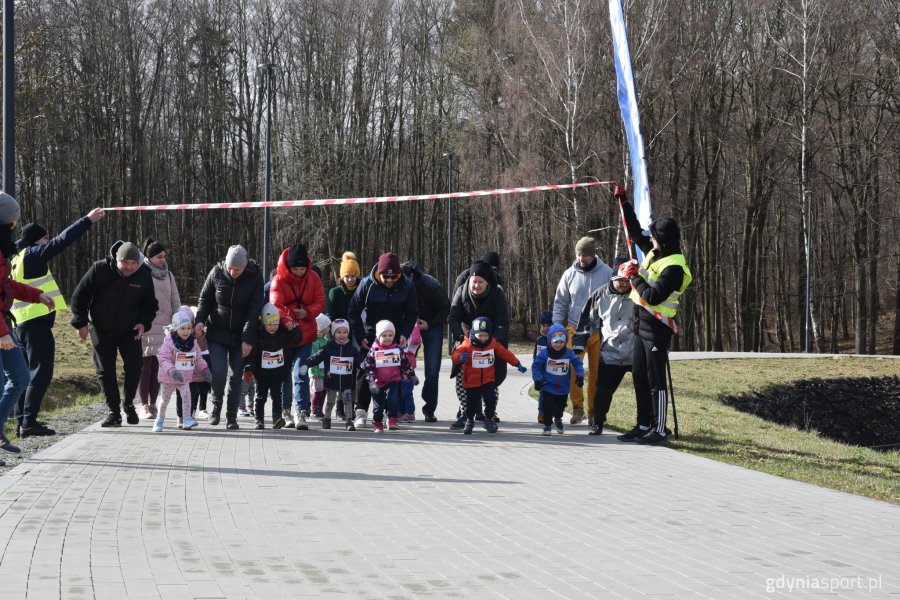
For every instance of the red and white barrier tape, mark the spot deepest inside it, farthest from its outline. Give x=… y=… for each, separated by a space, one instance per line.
x=340 y=201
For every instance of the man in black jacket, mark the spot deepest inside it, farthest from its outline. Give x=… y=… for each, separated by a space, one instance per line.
x=35 y=321
x=116 y=298
x=434 y=306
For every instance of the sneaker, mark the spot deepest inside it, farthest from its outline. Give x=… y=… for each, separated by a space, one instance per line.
x=634 y=434
x=468 y=427
x=278 y=423
x=429 y=416
x=496 y=418
x=189 y=423
x=547 y=429
x=350 y=425
x=259 y=425
x=458 y=423
x=402 y=418
x=113 y=419
x=7 y=445
x=232 y=425
x=596 y=429
x=158 y=425
x=288 y=418
x=479 y=417
x=360 y=421
x=319 y=415
x=491 y=426
x=560 y=428
x=36 y=430
x=653 y=439
x=577 y=415
x=145 y=412
x=242 y=411
x=301 y=423
x=216 y=415
x=203 y=415
x=326 y=423
x=131 y=415
x=392 y=424
x=378 y=426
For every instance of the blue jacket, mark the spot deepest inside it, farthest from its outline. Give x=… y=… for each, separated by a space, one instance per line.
x=556 y=384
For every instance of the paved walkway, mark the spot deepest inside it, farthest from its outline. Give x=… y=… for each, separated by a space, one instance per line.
x=425 y=513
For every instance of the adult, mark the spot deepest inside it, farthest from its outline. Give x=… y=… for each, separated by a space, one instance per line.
x=656 y=288
x=115 y=304
x=34 y=322
x=385 y=294
x=297 y=294
x=587 y=274
x=492 y=259
x=166 y=290
x=608 y=312
x=479 y=296
x=229 y=308
x=434 y=307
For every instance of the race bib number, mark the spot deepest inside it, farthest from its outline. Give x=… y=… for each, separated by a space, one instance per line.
x=184 y=361
x=387 y=358
x=483 y=359
x=341 y=365
x=272 y=359
x=558 y=366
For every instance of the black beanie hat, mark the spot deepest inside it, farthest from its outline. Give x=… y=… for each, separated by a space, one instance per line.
x=491 y=258
x=32 y=232
x=546 y=317
x=152 y=248
x=483 y=270
x=666 y=231
x=297 y=256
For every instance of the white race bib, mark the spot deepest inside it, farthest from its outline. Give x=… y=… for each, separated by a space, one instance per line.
x=341 y=365
x=482 y=359
x=558 y=366
x=184 y=361
x=272 y=359
x=387 y=358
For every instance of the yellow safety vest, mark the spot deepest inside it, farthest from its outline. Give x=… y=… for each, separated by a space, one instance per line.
x=25 y=311
x=650 y=271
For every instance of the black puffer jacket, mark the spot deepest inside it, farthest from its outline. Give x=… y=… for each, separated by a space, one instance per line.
x=230 y=307
x=272 y=342
x=434 y=305
x=114 y=304
x=347 y=351
x=492 y=304
x=396 y=304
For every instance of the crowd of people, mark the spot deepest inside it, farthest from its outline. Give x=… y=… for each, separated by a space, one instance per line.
x=358 y=344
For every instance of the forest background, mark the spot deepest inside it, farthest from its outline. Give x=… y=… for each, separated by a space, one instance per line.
x=749 y=107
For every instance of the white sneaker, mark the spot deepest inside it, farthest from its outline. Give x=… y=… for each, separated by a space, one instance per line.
x=203 y=415
x=157 y=425
x=145 y=412
x=288 y=418
x=360 y=421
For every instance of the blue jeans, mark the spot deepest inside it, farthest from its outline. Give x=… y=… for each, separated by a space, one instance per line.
x=227 y=364
x=14 y=377
x=390 y=395
x=432 y=346
x=295 y=389
x=407 y=401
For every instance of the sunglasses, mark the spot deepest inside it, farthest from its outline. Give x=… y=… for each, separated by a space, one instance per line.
x=390 y=277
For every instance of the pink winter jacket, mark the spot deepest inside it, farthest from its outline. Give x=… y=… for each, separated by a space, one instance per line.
x=167 y=355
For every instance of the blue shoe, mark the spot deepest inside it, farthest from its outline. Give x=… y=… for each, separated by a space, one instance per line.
x=546 y=430
x=158 y=425
x=189 y=422
x=470 y=425
x=490 y=426
x=458 y=423
x=560 y=428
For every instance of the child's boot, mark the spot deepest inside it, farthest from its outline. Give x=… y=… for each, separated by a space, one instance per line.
x=189 y=423
x=392 y=424
x=288 y=418
x=326 y=423
x=350 y=425
x=360 y=421
x=547 y=430
x=378 y=426
x=560 y=428
x=469 y=427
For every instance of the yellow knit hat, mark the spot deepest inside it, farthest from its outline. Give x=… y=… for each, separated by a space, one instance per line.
x=349 y=265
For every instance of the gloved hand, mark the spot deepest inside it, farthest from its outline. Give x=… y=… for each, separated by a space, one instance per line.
x=579 y=381
x=207 y=375
x=522 y=368
x=415 y=380
x=177 y=376
x=464 y=357
x=629 y=269
x=303 y=370
x=538 y=385
x=579 y=341
x=619 y=193
x=374 y=389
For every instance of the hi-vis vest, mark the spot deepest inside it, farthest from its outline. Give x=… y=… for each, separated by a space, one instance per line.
x=664 y=311
x=25 y=311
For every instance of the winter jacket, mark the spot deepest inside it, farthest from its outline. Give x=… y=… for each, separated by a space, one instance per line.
x=37 y=257
x=166 y=290
x=575 y=287
x=337 y=304
x=290 y=292
x=539 y=344
x=389 y=373
x=610 y=313
x=555 y=370
x=491 y=304
x=479 y=368
x=11 y=290
x=317 y=369
x=269 y=346
x=463 y=278
x=433 y=303
x=337 y=358
x=397 y=304
x=643 y=322
x=172 y=359
x=230 y=307
x=114 y=304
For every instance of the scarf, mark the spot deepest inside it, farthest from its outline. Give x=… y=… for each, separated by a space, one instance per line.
x=156 y=271
x=183 y=345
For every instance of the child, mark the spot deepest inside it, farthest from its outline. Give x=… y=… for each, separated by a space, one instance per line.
x=386 y=366
x=407 y=400
x=342 y=360
x=269 y=365
x=179 y=360
x=200 y=389
x=248 y=390
x=477 y=355
x=323 y=327
x=551 y=372
x=539 y=344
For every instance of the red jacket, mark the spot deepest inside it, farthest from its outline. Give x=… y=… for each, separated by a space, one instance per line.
x=289 y=292
x=10 y=290
x=474 y=376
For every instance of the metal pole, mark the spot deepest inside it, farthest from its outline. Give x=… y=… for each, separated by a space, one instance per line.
x=9 y=98
x=807 y=312
x=450 y=279
x=267 y=189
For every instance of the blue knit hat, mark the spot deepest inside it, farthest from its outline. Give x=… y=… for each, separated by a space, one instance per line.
x=481 y=324
x=557 y=331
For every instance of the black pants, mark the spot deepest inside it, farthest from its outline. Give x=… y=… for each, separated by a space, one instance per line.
x=474 y=397
x=268 y=383
x=39 y=345
x=554 y=406
x=363 y=395
x=105 y=350
x=649 y=374
x=199 y=394
x=608 y=379
x=462 y=393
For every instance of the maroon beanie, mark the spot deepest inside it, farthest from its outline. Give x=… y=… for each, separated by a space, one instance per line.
x=389 y=264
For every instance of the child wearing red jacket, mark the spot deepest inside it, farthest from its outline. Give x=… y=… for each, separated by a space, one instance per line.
x=477 y=355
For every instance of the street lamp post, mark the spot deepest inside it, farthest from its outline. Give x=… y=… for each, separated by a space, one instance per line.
x=450 y=156
x=270 y=69
x=807 y=313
